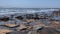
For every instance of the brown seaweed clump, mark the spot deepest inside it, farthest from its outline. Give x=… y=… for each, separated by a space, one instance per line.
x=4 y=19
x=19 y=17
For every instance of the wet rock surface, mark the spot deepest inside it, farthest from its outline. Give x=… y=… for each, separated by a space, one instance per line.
x=36 y=29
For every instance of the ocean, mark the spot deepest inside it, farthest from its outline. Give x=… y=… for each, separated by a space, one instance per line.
x=23 y=11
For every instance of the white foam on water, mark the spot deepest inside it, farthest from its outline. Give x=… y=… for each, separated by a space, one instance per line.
x=4 y=12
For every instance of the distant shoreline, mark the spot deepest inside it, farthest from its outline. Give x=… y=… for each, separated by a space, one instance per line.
x=28 y=8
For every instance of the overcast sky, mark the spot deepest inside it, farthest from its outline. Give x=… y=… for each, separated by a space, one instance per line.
x=30 y=3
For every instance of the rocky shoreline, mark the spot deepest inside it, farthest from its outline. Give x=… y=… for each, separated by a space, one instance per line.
x=36 y=23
